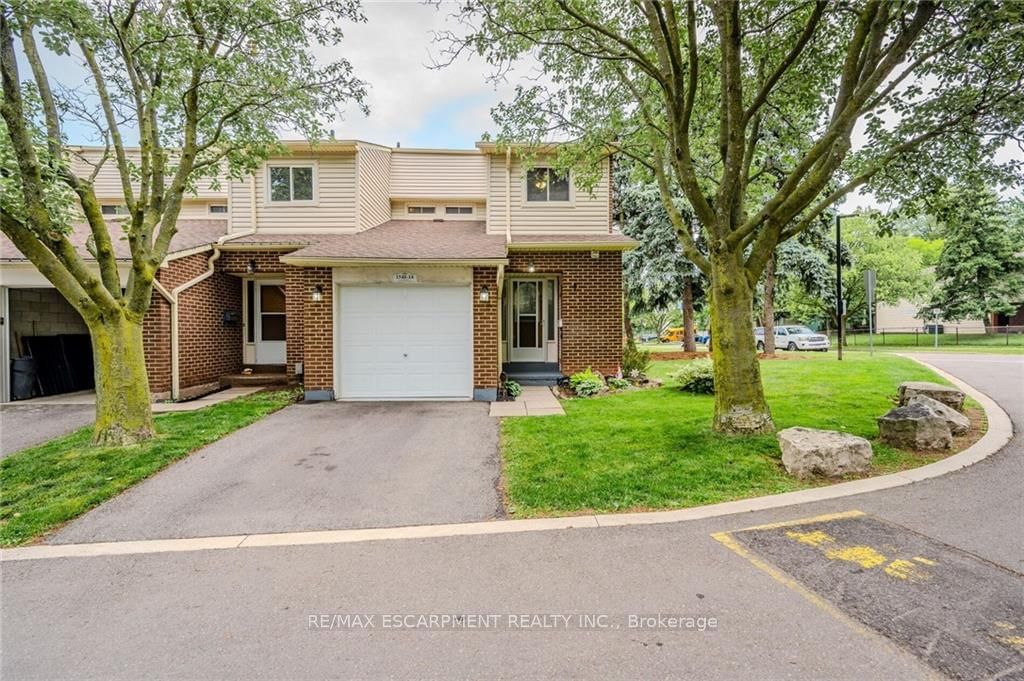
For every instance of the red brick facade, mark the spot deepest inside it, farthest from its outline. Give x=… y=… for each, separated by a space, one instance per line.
x=485 y=329
x=318 y=330
x=590 y=305
x=590 y=295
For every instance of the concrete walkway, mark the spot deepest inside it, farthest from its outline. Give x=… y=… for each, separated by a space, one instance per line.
x=88 y=398
x=535 y=400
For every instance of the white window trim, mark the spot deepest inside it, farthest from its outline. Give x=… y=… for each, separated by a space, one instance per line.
x=526 y=203
x=291 y=164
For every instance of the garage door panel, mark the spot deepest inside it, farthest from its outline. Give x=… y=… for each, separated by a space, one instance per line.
x=405 y=342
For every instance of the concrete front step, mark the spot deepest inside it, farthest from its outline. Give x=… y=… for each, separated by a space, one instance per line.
x=261 y=379
x=535 y=379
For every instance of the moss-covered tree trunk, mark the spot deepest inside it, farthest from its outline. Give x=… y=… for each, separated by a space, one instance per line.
x=769 y=307
x=689 y=324
x=123 y=412
x=740 y=406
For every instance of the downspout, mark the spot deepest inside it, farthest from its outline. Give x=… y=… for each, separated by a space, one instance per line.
x=501 y=316
x=508 y=195
x=173 y=296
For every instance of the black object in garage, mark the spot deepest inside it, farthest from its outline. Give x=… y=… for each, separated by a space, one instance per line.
x=63 y=363
x=23 y=373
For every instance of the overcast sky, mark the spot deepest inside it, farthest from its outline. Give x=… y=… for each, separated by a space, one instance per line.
x=410 y=102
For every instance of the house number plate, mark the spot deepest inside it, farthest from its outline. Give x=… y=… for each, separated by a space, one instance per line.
x=403 y=278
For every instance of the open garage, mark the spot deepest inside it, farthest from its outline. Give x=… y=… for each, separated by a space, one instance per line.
x=47 y=343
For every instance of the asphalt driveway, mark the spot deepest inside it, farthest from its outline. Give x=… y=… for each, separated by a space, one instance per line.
x=330 y=465
x=26 y=424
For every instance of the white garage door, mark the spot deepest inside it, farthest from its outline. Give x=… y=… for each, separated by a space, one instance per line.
x=401 y=342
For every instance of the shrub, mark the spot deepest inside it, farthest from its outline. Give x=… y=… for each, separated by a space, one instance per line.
x=696 y=376
x=586 y=383
x=616 y=383
x=513 y=389
x=635 y=362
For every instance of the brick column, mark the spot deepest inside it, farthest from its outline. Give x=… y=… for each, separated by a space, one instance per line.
x=318 y=335
x=296 y=295
x=485 y=334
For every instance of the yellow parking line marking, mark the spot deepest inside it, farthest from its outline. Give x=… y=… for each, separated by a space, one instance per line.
x=726 y=539
x=815 y=538
x=806 y=521
x=865 y=556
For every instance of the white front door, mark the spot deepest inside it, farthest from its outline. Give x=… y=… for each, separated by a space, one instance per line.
x=527 y=321
x=270 y=322
x=405 y=342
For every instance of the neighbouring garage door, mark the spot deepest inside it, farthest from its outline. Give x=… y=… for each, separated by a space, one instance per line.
x=406 y=342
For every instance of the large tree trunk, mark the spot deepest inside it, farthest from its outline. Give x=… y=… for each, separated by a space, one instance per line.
x=689 y=323
x=123 y=413
x=740 y=406
x=769 y=308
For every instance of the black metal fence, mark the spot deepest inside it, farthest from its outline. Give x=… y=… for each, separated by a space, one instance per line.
x=946 y=335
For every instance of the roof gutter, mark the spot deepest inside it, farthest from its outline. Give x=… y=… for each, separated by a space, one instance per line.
x=337 y=262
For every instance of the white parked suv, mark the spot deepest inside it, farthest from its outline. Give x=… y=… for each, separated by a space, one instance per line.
x=794 y=338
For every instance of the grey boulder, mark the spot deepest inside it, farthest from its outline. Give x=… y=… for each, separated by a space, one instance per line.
x=957 y=422
x=942 y=393
x=807 y=452
x=915 y=426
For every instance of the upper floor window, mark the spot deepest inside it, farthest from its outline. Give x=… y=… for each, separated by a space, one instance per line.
x=458 y=210
x=291 y=183
x=113 y=209
x=422 y=210
x=544 y=184
x=218 y=208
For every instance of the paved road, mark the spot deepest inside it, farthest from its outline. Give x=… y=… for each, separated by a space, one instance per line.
x=328 y=465
x=246 y=613
x=24 y=425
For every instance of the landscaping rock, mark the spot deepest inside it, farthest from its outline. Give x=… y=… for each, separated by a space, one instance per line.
x=943 y=393
x=915 y=426
x=807 y=452
x=957 y=422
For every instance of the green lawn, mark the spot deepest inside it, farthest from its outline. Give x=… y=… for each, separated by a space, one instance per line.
x=667 y=347
x=655 y=448
x=48 y=485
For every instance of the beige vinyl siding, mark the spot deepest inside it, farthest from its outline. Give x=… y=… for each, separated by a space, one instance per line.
x=333 y=208
x=200 y=210
x=400 y=210
x=438 y=175
x=107 y=184
x=374 y=184
x=241 y=202
x=586 y=213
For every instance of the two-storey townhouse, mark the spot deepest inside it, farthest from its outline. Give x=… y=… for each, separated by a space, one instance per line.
x=370 y=272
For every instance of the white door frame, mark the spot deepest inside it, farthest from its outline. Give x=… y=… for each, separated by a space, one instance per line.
x=267 y=352
x=5 y=345
x=547 y=289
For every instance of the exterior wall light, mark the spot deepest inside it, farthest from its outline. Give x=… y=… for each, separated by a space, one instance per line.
x=250 y=266
x=530 y=267
x=485 y=294
x=318 y=293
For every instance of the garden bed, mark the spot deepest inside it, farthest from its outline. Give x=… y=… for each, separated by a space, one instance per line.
x=654 y=449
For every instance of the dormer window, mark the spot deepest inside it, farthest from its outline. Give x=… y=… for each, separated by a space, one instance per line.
x=422 y=210
x=458 y=210
x=291 y=184
x=544 y=184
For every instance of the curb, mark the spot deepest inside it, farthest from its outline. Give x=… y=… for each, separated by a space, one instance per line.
x=1000 y=430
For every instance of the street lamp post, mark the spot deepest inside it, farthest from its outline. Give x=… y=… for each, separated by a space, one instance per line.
x=840 y=312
